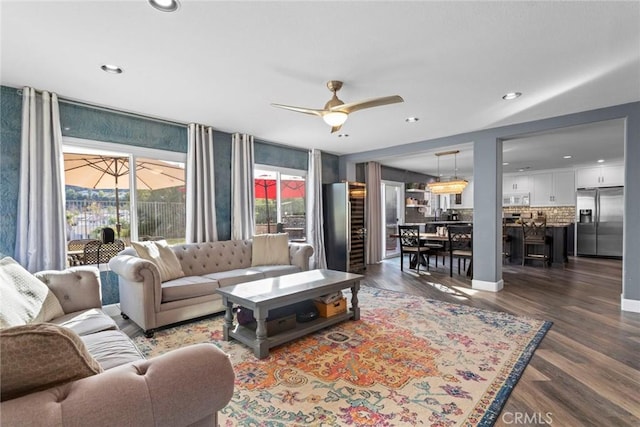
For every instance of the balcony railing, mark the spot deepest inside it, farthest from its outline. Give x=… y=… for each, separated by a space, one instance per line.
x=85 y=219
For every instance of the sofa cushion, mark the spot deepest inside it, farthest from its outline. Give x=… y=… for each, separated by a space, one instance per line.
x=86 y=322
x=270 y=249
x=233 y=277
x=188 y=287
x=25 y=299
x=42 y=355
x=159 y=253
x=111 y=348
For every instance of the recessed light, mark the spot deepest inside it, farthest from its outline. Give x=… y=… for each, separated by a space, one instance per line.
x=411 y=119
x=566 y=157
x=505 y=163
x=165 y=5
x=343 y=135
x=511 y=95
x=66 y=128
x=113 y=69
x=601 y=161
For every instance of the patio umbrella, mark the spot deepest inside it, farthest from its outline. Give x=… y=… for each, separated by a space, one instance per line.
x=111 y=172
x=265 y=188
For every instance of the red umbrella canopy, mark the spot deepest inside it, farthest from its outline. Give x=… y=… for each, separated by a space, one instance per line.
x=289 y=189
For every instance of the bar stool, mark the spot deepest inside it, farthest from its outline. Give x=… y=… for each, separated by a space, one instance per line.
x=535 y=243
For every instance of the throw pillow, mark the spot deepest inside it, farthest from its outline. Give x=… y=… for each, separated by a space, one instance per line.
x=159 y=253
x=270 y=249
x=25 y=299
x=40 y=356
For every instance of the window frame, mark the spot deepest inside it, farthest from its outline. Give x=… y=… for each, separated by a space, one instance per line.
x=89 y=146
x=279 y=170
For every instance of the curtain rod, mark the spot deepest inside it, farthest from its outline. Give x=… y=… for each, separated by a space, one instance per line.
x=111 y=110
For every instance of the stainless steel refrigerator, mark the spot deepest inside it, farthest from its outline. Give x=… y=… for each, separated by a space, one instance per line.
x=599 y=218
x=344 y=226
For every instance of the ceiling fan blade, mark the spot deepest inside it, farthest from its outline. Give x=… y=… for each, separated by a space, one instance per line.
x=335 y=128
x=311 y=111
x=367 y=103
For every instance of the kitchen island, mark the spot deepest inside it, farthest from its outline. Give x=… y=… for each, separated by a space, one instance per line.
x=559 y=235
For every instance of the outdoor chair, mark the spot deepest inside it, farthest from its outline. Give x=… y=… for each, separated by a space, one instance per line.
x=96 y=252
x=75 y=250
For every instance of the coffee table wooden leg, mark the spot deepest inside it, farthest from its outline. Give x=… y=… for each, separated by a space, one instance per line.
x=354 y=301
x=228 y=319
x=261 y=346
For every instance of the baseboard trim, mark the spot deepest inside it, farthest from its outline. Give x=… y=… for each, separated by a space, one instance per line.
x=482 y=285
x=632 y=305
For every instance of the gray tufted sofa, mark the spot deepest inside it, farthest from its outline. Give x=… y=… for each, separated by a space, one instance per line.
x=151 y=303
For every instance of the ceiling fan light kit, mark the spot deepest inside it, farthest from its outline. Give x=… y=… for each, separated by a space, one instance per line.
x=454 y=186
x=335 y=111
x=335 y=118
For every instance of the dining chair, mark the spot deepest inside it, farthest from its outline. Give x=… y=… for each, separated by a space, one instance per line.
x=461 y=247
x=506 y=242
x=535 y=242
x=410 y=244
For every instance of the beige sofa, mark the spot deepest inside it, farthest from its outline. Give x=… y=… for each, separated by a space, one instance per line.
x=151 y=303
x=77 y=368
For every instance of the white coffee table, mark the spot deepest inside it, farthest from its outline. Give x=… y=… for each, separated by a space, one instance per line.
x=267 y=294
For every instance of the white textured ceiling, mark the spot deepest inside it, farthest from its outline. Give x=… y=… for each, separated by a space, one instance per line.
x=222 y=63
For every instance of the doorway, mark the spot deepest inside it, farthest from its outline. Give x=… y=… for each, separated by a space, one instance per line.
x=392 y=215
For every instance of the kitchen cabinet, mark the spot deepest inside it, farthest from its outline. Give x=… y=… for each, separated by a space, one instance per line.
x=600 y=176
x=518 y=183
x=554 y=188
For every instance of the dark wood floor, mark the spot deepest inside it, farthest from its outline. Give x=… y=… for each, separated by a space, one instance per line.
x=586 y=371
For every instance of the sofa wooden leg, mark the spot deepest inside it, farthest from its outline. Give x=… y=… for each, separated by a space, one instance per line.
x=124 y=316
x=149 y=333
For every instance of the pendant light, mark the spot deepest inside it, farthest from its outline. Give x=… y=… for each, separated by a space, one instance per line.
x=454 y=186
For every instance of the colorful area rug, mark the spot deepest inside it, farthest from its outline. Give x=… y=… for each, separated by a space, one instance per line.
x=409 y=361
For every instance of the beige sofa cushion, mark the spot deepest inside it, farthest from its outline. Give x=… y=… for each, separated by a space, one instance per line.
x=270 y=249
x=25 y=299
x=159 y=253
x=39 y=356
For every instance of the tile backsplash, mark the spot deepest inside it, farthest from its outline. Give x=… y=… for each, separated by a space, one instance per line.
x=554 y=214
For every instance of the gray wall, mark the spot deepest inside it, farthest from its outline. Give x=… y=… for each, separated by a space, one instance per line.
x=98 y=124
x=487 y=149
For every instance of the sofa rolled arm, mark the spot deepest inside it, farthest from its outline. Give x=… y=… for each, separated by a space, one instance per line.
x=299 y=254
x=77 y=288
x=131 y=268
x=178 y=388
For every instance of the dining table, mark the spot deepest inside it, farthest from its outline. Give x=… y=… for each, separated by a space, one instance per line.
x=434 y=240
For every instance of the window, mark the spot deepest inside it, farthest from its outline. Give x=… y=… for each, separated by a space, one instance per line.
x=93 y=203
x=280 y=201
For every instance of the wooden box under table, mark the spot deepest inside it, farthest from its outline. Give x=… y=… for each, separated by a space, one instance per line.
x=331 y=309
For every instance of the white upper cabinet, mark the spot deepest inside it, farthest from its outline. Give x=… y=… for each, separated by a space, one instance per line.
x=515 y=184
x=600 y=176
x=553 y=188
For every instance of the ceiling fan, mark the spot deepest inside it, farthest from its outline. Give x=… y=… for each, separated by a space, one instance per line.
x=335 y=112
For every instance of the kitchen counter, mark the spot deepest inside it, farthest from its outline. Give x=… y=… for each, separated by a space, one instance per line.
x=560 y=235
